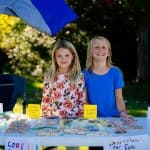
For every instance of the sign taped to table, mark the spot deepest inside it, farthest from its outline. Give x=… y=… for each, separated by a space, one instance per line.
x=128 y=143
x=14 y=143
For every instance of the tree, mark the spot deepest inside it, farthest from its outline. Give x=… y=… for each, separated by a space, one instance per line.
x=26 y=50
x=7 y=23
x=124 y=22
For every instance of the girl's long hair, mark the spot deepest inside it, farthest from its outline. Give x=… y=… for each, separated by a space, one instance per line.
x=90 y=48
x=75 y=68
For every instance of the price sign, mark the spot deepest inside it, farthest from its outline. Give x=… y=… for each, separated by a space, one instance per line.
x=90 y=111
x=33 y=111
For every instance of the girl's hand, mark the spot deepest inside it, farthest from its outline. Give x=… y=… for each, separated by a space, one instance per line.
x=126 y=117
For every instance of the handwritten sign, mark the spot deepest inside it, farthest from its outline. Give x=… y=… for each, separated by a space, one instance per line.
x=14 y=143
x=128 y=143
x=90 y=111
x=33 y=111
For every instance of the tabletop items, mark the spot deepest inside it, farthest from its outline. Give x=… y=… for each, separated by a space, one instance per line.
x=17 y=126
x=20 y=123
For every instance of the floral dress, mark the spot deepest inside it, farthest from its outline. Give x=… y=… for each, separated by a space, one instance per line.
x=62 y=98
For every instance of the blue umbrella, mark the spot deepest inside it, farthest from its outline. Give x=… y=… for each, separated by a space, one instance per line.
x=48 y=16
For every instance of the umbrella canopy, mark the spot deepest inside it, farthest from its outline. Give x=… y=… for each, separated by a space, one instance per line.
x=48 y=16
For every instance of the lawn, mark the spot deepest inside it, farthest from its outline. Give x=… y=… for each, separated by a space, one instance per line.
x=137 y=98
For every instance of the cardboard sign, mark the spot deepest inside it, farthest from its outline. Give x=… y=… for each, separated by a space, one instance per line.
x=128 y=143
x=90 y=111
x=33 y=111
x=14 y=143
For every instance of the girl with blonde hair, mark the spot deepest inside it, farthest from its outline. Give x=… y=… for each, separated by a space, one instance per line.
x=64 y=91
x=104 y=82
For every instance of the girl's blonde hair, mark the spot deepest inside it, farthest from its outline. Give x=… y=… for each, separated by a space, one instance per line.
x=75 y=68
x=90 y=48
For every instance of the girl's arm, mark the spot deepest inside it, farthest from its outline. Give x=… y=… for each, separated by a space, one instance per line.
x=45 y=92
x=121 y=105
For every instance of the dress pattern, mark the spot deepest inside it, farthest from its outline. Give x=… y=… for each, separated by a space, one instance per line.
x=62 y=97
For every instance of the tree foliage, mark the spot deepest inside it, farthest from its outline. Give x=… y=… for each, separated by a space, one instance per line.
x=26 y=51
x=7 y=23
x=122 y=22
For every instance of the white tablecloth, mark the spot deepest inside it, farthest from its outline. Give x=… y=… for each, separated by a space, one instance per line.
x=138 y=139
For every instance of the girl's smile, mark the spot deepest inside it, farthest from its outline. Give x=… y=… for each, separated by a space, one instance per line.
x=100 y=49
x=100 y=54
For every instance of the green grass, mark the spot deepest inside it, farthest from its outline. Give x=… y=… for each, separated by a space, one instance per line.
x=137 y=98
x=137 y=108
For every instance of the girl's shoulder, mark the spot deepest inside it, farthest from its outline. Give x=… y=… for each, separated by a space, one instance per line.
x=111 y=69
x=116 y=70
x=85 y=72
x=80 y=75
x=47 y=76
